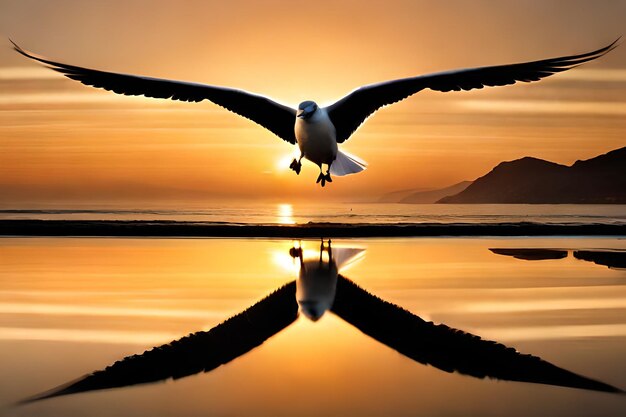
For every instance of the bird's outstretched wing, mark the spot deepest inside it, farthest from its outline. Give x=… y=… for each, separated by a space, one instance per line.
x=277 y=118
x=351 y=111
x=445 y=348
x=198 y=352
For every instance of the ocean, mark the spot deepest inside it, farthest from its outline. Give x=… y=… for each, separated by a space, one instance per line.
x=70 y=306
x=366 y=213
x=362 y=343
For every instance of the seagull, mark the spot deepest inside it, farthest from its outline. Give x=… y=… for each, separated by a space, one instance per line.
x=319 y=130
x=317 y=278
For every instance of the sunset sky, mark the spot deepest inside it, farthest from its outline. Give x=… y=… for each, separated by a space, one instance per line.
x=64 y=144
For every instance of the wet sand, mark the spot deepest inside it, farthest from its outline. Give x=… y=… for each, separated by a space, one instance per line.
x=146 y=228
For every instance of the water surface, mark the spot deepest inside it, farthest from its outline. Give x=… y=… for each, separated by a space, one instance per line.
x=71 y=306
x=294 y=213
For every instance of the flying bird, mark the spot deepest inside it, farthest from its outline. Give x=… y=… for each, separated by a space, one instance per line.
x=318 y=130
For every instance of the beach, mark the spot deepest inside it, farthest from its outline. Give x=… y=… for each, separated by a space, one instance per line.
x=145 y=228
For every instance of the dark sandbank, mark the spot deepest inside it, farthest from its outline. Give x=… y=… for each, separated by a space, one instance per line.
x=531 y=254
x=612 y=259
x=146 y=228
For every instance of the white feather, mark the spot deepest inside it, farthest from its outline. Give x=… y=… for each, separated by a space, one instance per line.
x=346 y=164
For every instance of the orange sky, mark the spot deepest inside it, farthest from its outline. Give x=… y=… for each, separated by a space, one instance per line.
x=62 y=143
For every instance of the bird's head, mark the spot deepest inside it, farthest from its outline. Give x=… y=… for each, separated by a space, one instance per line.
x=306 y=109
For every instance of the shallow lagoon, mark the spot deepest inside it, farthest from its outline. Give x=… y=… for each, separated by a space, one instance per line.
x=71 y=306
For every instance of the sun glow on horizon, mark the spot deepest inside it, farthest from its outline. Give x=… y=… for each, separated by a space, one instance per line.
x=285 y=214
x=282 y=164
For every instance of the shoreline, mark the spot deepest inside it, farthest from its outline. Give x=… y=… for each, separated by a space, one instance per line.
x=165 y=228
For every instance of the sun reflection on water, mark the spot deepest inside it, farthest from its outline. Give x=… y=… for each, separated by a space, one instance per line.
x=285 y=214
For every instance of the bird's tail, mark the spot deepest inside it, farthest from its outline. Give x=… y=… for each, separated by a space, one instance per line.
x=346 y=164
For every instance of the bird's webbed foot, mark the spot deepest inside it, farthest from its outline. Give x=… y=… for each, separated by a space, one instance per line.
x=327 y=177
x=321 y=178
x=296 y=166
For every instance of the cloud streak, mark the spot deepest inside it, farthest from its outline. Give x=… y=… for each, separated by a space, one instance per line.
x=85 y=336
x=27 y=73
x=599 y=75
x=595 y=108
x=68 y=98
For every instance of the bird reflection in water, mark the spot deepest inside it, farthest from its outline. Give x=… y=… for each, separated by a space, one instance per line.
x=317 y=278
x=320 y=287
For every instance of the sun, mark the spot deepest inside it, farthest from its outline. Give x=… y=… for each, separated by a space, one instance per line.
x=282 y=164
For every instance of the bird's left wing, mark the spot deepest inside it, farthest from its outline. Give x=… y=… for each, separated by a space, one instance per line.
x=198 y=352
x=277 y=118
x=445 y=348
x=351 y=111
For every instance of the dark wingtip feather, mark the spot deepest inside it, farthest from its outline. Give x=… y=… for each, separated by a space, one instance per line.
x=608 y=48
x=572 y=61
x=613 y=45
x=603 y=51
x=65 y=389
x=17 y=48
x=31 y=55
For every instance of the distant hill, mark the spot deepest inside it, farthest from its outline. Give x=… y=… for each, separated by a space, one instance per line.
x=396 y=196
x=432 y=196
x=600 y=180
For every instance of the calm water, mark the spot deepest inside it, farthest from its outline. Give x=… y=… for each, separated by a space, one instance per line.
x=344 y=213
x=71 y=306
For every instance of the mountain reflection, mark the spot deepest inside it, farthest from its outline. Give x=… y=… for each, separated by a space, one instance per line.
x=321 y=287
x=611 y=258
x=531 y=254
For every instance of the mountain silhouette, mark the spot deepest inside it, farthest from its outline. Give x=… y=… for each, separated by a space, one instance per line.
x=396 y=196
x=432 y=196
x=422 y=195
x=600 y=180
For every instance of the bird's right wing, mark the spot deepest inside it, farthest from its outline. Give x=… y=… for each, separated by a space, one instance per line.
x=445 y=348
x=277 y=118
x=351 y=111
x=198 y=352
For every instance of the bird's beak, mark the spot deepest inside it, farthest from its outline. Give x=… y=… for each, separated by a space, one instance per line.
x=306 y=112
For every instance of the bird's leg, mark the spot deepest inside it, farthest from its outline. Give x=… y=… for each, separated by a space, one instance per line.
x=299 y=164
x=327 y=176
x=297 y=253
x=321 y=249
x=321 y=178
x=330 y=253
x=296 y=164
